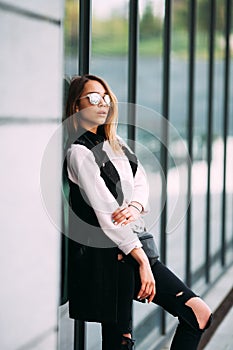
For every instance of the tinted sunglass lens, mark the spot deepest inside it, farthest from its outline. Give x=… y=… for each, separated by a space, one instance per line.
x=94 y=98
x=107 y=100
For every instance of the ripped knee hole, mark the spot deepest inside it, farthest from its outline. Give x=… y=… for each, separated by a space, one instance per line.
x=201 y=311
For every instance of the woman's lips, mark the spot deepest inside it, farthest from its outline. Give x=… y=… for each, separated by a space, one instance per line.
x=102 y=113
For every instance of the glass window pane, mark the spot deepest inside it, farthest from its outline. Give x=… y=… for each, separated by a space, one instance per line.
x=71 y=37
x=110 y=44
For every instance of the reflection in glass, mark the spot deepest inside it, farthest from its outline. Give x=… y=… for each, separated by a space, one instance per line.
x=71 y=18
x=110 y=44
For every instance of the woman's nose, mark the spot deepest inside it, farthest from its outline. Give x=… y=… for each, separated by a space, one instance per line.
x=102 y=102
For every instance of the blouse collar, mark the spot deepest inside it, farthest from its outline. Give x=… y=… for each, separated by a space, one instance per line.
x=96 y=138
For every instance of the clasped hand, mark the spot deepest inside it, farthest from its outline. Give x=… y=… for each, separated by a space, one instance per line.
x=125 y=215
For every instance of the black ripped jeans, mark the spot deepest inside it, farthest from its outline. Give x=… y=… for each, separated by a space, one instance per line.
x=168 y=288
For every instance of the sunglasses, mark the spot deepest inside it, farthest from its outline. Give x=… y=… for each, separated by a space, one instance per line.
x=95 y=98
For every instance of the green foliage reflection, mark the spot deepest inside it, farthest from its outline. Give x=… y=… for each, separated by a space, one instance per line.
x=110 y=35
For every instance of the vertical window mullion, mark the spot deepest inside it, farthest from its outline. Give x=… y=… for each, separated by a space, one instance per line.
x=84 y=67
x=212 y=14
x=132 y=69
x=84 y=36
x=225 y=123
x=79 y=335
x=192 y=32
x=164 y=145
x=165 y=109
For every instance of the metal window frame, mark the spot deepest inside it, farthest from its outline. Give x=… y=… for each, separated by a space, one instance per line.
x=226 y=87
x=212 y=16
x=190 y=125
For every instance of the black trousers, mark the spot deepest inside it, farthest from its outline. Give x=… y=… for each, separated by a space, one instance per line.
x=171 y=294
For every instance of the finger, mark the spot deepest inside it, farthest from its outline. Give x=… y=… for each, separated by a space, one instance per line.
x=141 y=292
x=146 y=291
x=115 y=213
x=122 y=221
x=120 y=218
x=120 y=212
x=152 y=295
x=128 y=220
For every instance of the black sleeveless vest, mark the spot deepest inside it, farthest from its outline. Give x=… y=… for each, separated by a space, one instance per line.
x=93 y=271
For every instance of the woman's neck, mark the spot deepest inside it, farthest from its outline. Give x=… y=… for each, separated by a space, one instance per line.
x=89 y=128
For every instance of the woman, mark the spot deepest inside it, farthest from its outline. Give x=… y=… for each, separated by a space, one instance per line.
x=108 y=195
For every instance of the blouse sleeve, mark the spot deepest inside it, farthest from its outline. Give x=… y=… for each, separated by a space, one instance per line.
x=141 y=184
x=141 y=188
x=84 y=171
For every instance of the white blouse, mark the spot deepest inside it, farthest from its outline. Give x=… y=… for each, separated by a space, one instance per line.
x=84 y=171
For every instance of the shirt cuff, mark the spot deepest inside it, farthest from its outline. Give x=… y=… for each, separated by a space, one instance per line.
x=126 y=247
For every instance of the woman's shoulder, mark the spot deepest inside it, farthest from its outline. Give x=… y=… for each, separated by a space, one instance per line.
x=78 y=147
x=78 y=152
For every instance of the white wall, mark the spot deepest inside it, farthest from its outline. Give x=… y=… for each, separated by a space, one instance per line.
x=30 y=110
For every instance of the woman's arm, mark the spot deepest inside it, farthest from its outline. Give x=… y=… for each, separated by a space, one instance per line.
x=84 y=171
x=148 y=289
